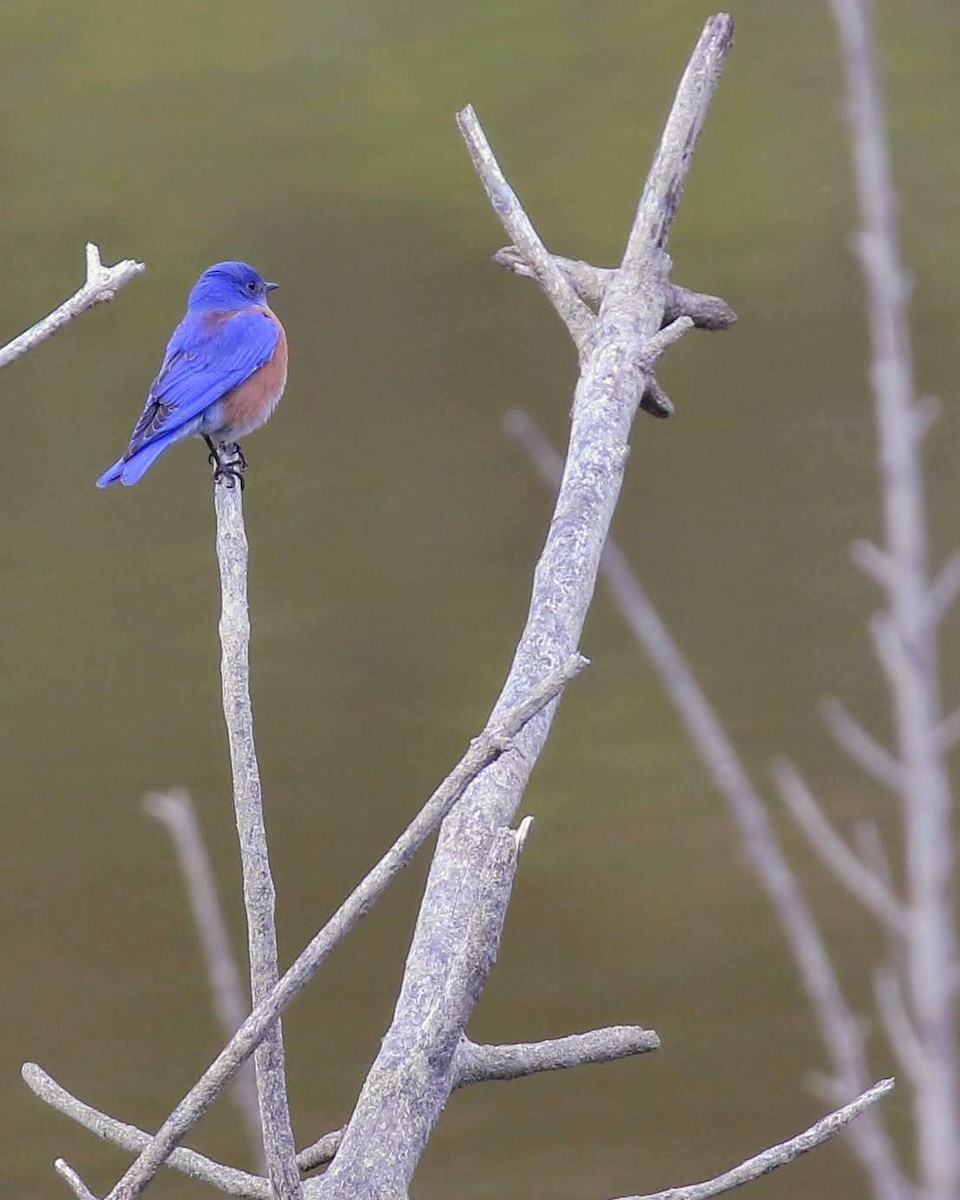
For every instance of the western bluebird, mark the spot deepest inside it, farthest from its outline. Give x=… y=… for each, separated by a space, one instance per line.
x=223 y=372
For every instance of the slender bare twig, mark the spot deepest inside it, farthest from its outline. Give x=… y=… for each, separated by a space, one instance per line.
x=478 y=1063
x=129 y=1137
x=864 y=749
x=558 y=289
x=388 y=1130
x=838 y=1027
x=493 y=743
x=175 y=810
x=777 y=1156
x=101 y=285
x=259 y=896
x=72 y=1180
x=834 y=852
x=906 y=638
x=898 y=1025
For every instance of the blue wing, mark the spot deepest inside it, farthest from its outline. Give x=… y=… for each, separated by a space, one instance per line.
x=206 y=358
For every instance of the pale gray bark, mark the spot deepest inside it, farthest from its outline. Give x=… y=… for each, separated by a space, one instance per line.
x=399 y=1102
x=779 y=1155
x=259 y=896
x=496 y=740
x=100 y=287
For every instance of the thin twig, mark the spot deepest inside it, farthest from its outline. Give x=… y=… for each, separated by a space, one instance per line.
x=259 y=896
x=175 y=810
x=865 y=750
x=838 y=1027
x=777 y=1156
x=478 y=1063
x=898 y=1025
x=129 y=1137
x=101 y=285
x=558 y=289
x=834 y=852
x=72 y=1179
x=906 y=639
x=490 y=745
x=665 y=181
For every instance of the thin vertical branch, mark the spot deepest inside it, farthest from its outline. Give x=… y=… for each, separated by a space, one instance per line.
x=908 y=641
x=258 y=890
x=174 y=810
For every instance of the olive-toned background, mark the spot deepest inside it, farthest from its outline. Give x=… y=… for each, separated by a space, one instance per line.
x=393 y=533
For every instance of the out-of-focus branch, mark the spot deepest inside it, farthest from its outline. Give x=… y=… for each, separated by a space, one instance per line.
x=838 y=1026
x=538 y=260
x=259 y=896
x=906 y=637
x=777 y=1156
x=865 y=750
x=101 y=285
x=834 y=852
x=175 y=811
x=495 y=741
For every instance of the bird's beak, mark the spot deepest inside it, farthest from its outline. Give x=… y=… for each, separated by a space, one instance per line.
x=271 y=286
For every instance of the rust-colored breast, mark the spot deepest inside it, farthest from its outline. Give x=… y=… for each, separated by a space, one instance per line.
x=251 y=403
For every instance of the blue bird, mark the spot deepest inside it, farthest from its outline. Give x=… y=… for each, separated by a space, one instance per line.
x=223 y=372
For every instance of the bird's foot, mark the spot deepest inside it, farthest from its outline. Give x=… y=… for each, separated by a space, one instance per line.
x=228 y=462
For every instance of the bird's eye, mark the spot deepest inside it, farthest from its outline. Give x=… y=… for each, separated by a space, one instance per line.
x=251 y=285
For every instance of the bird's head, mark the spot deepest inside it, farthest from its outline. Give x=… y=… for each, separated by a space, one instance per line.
x=228 y=285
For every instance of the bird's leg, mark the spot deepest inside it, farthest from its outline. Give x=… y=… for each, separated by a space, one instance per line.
x=227 y=461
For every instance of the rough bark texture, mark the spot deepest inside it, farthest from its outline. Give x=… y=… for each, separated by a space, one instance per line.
x=404 y=1093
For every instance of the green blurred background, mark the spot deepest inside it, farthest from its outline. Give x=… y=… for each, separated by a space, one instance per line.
x=394 y=531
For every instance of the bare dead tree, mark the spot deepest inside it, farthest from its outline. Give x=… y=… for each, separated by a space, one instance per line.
x=621 y=321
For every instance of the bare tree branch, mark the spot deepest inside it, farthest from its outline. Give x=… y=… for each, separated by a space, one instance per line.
x=494 y=742
x=906 y=638
x=102 y=284
x=175 y=811
x=897 y=1024
x=395 y=1112
x=591 y=283
x=834 y=852
x=865 y=750
x=129 y=1137
x=777 y=1156
x=479 y=1063
x=558 y=289
x=72 y=1179
x=259 y=896
x=476 y=1063
x=838 y=1026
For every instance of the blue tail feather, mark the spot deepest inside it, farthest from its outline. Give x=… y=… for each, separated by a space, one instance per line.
x=130 y=470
